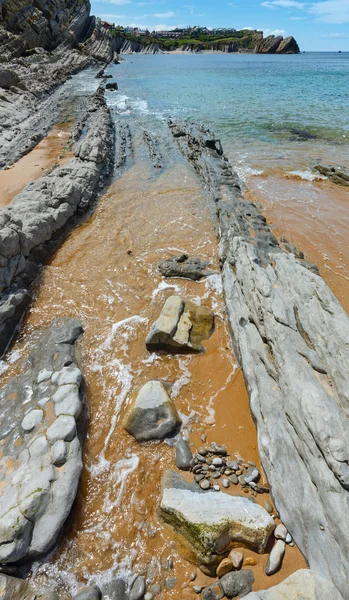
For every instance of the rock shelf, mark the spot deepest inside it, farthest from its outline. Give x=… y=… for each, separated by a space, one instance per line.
x=291 y=337
x=31 y=226
x=42 y=424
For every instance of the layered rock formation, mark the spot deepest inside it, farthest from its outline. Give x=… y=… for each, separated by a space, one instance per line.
x=31 y=226
x=291 y=338
x=256 y=44
x=41 y=429
x=304 y=584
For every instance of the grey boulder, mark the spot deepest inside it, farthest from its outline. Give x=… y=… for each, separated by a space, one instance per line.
x=89 y=593
x=183 y=266
x=237 y=583
x=152 y=415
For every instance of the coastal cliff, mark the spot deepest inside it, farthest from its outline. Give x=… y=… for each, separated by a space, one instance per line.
x=243 y=42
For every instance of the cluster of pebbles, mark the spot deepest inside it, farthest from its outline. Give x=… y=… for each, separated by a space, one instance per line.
x=213 y=468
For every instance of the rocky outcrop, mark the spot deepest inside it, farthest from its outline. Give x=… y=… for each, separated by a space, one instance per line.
x=152 y=415
x=210 y=523
x=31 y=226
x=42 y=422
x=304 y=584
x=12 y=588
x=291 y=337
x=181 y=327
x=338 y=175
x=125 y=46
x=184 y=266
x=277 y=45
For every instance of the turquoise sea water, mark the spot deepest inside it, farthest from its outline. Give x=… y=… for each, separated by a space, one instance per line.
x=265 y=107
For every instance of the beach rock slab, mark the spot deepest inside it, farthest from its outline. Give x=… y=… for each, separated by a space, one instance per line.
x=12 y=588
x=152 y=415
x=40 y=487
x=211 y=522
x=181 y=327
x=184 y=266
x=304 y=584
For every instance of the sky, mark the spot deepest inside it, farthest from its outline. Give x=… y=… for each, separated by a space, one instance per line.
x=321 y=25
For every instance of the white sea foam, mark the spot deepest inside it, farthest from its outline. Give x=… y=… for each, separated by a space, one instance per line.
x=184 y=379
x=165 y=286
x=244 y=171
x=307 y=175
x=121 y=470
x=124 y=328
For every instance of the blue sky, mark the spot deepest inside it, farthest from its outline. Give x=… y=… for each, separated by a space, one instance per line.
x=317 y=25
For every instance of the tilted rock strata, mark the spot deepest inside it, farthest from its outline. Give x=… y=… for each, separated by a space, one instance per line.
x=291 y=336
x=212 y=522
x=42 y=413
x=303 y=584
x=31 y=225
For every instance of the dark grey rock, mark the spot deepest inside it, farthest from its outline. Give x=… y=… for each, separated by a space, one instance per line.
x=89 y=593
x=116 y=590
x=8 y=78
x=237 y=583
x=183 y=266
x=213 y=592
x=112 y=87
x=183 y=455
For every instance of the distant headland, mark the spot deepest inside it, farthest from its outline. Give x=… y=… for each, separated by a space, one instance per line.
x=199 y=39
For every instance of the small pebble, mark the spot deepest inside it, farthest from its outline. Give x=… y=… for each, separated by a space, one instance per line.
x=217 y=488
x=200 y=458
x=275 y=558
x=203 y=451
x=268 y=506
x=250 y=561
x=198 y=588
x=197 y=468
x=233 y=464
x=226 y=483
x=148 y=596
x=171 y=582
x=204 y=438
x=228 y=472
x=280 y=532
x=233 y=479
x=205 y=485
x=236 y=558
x=193 y=576
x=217 y=462
x=199 y=478
x=155 y=589
x=216 y=475
x=252 y=474
x=242 y=480
x=288 y=539
x=224 y=567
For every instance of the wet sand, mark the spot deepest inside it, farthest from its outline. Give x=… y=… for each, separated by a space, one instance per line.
x=105 y=274
x=314 y=217
x=51 y=150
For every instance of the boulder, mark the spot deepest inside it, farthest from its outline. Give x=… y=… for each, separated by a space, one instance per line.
x=89 y=593
x=183 y=266
x=211 y=523
x=152 y=415
x=238 y=583
x=181 y=327
x=336 y=174
x=288 y=46
x=112 y=87
x=43 y=445
x=8 y=79
x=304 y=585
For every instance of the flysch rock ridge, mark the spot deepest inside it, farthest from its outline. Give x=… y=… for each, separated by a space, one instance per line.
x=42 y=426
x=291 y=336
x=32 y=224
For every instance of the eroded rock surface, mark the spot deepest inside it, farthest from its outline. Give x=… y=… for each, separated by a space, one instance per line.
x=31 y=226
x=338 y=175
x=303 y=584
x=291 y=338
x=184 y=266
x=152 y=415
x=42 y=418
x=211 y=522
x=12 y=588
x=181 y=327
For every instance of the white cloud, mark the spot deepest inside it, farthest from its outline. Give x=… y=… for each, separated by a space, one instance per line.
x=331 y=11
x=283 y=4
x=274 y=32
x=166 y=15
x=335 y=36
